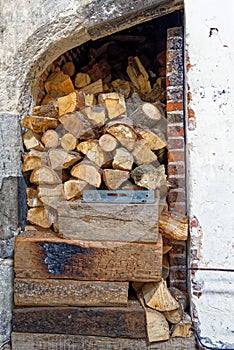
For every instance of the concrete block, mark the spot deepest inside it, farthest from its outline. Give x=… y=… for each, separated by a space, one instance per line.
x=6 y=298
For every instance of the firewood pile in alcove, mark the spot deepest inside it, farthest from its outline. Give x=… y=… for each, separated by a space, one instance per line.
x=100 y=133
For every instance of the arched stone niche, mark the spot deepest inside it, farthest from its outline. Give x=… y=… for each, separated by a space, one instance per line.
x=90 y=20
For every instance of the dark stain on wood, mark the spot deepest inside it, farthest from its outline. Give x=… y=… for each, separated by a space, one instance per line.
x=122 y=322
x=57 y=256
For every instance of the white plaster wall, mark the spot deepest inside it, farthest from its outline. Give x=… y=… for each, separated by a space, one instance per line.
x=210 y=161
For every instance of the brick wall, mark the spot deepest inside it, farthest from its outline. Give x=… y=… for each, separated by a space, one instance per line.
x=176 y=147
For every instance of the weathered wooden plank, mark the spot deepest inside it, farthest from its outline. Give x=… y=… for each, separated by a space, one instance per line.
x=109 y=222
x=51 y=292
x=121 y=322
x=32 y=341
x=40 y=254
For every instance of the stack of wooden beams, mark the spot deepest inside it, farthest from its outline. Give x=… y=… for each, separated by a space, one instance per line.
x=77 y=263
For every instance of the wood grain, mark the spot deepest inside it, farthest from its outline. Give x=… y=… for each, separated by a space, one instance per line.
x=32 y=341
x=40 y=254
x=52 y=292
x=121 y=322
x=109 y=222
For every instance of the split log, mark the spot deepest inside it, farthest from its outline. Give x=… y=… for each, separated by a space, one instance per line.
x=174 y=316
x=158 y=297
x=124 y=133
x=148 y=176
x=115 y=178
x=126 y=322
x=153 y=141
x=101 y=70
x=158 y=92
x=44 y=175
x=53 y=292
x=87 y=146
x=50 y=139
x=48 y=110
x=32 y=197
x=41 y=216
x=61 y=159
x=94 y=88
x=54 y=94
x=88 y=172
x=98 y=156
x=138 y=75
x=76 y=124
x=142 y=153
x=32 y=141
x=39 y=124
x=182 y=329
x=71 y=103
x=90 y=100
x=68 y=142
x=114 y=103
x=96 y=115
x=180 y=296
x=73 y=189
x=122 y=87
x=32 y=160
x=112 y=222
x=59 y=81
x=156 y=324
x=68 y=68
x=173 y=225
x=85 y=260
x=123 y=160
x=82 y=80
x=108 y=143
x=51 y=195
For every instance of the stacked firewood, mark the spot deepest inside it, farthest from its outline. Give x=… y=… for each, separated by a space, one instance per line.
x=99 y=127
x=96 y=135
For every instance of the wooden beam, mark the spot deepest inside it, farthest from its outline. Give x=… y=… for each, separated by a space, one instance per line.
x=53 y=292
x=111 y=222
x=40 y=254
x=45 y=341
x=120 y=322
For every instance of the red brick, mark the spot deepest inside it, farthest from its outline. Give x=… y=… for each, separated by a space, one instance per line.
x=175 y=156
x=181 y=285
x=175 y=196
x=178 y=208
x=175 y=106
x=178 y=274
x=175 y=130
x=177 y=260
x=175 y=117
x=178 y=248
x=175 y=182
x=175 y=169
x=176 y=143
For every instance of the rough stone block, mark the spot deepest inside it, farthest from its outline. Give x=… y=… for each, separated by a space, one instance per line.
x=6 y=299
x=7 y=248
x=8 y=207
x=10 y=146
